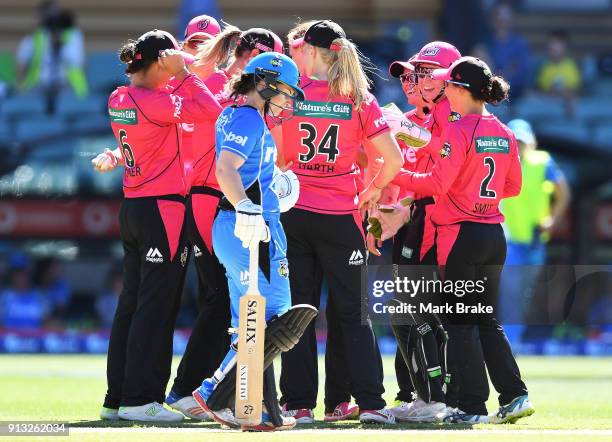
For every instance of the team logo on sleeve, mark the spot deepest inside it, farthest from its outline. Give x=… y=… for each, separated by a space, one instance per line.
x=454 y=116
x=283 y=268
x=445 y=151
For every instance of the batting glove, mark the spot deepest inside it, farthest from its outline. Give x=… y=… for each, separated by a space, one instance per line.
x=250 y=225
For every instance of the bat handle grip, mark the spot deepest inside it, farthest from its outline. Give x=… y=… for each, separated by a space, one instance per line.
x=254 y=268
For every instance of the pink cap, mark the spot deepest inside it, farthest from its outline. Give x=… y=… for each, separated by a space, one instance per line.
x=202 y=26
x=278 y=44
x=397 y=68
x=438 y=53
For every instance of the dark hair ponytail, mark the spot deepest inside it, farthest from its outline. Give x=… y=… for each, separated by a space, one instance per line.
x=496 y=91
x=127 y=52
x=242 y=84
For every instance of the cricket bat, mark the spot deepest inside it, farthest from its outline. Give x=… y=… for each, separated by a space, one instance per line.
x=249 y=362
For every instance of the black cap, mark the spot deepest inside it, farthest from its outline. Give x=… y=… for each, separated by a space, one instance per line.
x=469 y=72
x=322 y=34
x=150 y=44
x=262 y=39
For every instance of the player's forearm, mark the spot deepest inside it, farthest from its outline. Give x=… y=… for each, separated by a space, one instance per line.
x=230 y=184
x=426 y=184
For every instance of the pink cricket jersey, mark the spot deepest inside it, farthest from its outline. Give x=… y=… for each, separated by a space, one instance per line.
x=323 y=139
x=147 y=124
x=477 y=166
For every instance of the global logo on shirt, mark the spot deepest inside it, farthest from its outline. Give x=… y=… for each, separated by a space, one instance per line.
x=238 y=139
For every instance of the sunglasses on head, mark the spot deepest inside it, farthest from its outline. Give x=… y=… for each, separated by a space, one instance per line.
x=458 y=83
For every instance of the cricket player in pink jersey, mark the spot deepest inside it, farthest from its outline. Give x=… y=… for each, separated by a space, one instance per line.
x=478 y=166
x=419 y=237
x=209 y=339
x=218 y=52
x=321 y=143
x=146 y=119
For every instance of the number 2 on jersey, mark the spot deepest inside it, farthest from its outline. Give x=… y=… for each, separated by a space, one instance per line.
x=327 y=146
x=126 y=149
x=484 y=191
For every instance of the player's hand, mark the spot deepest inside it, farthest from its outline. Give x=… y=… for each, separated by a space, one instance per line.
x=392 y=219
x=105 y=162
x=172 y=61
x=250 y=225
x=372 y=244
x=368 y=198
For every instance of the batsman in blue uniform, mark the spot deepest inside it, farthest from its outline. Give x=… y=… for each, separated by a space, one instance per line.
x=249 y=212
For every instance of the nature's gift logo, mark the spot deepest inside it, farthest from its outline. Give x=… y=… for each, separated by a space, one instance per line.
x=492 y=145
x=322 y=109
x=123 y=116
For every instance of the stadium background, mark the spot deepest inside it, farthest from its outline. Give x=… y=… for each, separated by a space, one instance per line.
x=59 y=244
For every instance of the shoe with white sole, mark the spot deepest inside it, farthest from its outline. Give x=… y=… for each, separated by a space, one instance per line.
x=302 y=416
x=455 y=416
x=382 y=416
x=417 y=411
x=109 y=414
x=189 y=407
x=267 y=425
x=344 y=411
x=509 y=414
x=224 y=416
x=153 y=412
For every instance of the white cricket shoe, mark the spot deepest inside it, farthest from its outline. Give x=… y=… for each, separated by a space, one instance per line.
x=190 y=408
x=417 y=411
x=109 y=414
x=302 y=416
x=153 y=412
x=382 y=416
x=509 y=414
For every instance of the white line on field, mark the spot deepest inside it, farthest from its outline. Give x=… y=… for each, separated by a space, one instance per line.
x=575 y=432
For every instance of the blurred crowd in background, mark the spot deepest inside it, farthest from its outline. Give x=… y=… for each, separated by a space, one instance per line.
x=53 y=95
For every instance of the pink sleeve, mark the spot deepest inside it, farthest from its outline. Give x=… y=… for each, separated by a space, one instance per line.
x=372 y=119
x=190 y=102
x=442 y=176
x=514 y=178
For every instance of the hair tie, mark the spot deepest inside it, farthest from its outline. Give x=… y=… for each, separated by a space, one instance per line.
x=336 y=47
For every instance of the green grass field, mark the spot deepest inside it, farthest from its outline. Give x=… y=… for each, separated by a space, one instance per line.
x=571 y=396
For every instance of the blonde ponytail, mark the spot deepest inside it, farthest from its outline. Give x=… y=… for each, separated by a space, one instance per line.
x=347 y=71
x=218 y=49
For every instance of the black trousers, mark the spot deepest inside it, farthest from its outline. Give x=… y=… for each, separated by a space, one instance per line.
x=209 y=339
x=409 y=238
x=334 y=244
x=155 y=255
x=478 y=254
